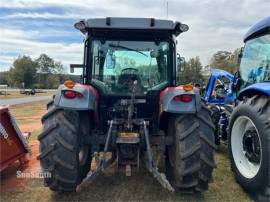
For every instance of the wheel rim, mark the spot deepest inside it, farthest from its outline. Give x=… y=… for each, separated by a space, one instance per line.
x=246 y=147
x=84 y=152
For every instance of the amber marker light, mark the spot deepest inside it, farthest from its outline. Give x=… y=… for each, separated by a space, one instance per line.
x=69 y=84
x=188 y=87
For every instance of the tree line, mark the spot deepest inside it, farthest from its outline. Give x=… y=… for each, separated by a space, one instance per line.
x=46 y=73
x=42 y=72
x=193 y=69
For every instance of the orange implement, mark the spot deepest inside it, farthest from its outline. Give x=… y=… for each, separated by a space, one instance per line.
x=13 y=144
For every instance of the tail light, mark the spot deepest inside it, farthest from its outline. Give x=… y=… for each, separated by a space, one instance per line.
x=183 y=98
x=72 y=94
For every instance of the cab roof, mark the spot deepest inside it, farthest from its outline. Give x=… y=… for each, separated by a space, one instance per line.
x=129 y=23
x=258 y=28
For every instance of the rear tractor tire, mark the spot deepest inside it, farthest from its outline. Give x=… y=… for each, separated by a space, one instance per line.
x=249 y=145
x=62 y=155
x=215 y=115
x=190 y=160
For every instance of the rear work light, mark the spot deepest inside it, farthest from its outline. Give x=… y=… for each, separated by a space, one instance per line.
x=72 y=94
x=183 y=98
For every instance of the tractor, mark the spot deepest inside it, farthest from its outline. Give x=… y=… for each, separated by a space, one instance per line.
x=245 y=122
x=128 y=107
x=220 y=99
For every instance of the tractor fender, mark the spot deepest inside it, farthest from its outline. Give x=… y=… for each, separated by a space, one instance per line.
x=168 y=104
x=255 y=89
x=88 y=100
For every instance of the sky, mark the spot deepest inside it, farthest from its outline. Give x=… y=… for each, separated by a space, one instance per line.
x=32 y=27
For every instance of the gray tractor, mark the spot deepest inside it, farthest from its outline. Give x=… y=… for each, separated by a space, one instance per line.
x=127 y=107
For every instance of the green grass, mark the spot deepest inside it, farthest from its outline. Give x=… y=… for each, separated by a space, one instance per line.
x=114 y=186
x=141 y=186
x=28 y=110
x=29 y=115
x=16 y=94
x=35 y=134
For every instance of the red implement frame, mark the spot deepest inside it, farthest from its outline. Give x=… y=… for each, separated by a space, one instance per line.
x=13 y=145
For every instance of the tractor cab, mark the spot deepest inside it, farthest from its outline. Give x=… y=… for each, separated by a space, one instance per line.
x=254 y=69
x=121 y=52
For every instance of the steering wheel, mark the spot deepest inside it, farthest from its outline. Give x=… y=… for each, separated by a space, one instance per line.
x=129 y=69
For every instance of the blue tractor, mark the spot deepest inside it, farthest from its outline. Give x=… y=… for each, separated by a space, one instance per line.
x=245 y=123
x=220 y=98
x=219 y=89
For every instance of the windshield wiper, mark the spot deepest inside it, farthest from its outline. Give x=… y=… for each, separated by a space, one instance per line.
x=123 y=47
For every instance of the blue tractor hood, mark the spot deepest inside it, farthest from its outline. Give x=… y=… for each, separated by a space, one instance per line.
x=257 y=87
x=258 y=28
x=222 y=73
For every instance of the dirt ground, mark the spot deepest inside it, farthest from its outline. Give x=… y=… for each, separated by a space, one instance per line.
x=28 y=118
x=9 y=177
x=112 y=185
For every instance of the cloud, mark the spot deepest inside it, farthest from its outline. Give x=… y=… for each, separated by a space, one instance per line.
x=34 y=15
x=35 y=26
x=216 y=25
x=21 y=42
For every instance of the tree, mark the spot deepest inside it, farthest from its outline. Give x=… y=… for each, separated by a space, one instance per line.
x=3 y=78
x=192 y=72
x=123 y=62
x=43 y=72
x=52 y=81
x=48 y=71
x=23 y=72
x=58 y=68
x=225 y=60
x=45 y=64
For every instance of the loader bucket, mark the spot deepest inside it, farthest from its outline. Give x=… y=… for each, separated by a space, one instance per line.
x=13 y=144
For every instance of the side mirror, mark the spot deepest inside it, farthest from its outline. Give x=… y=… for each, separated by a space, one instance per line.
x=73 y=66
x=154 y=54
x=236 y=82
x=181 y=62
x=110 y=61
